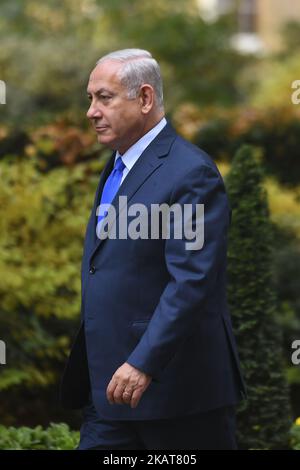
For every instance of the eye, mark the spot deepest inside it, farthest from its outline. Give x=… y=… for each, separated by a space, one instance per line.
x=105 y=97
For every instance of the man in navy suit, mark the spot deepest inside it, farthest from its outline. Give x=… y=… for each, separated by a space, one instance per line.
x=154 y=364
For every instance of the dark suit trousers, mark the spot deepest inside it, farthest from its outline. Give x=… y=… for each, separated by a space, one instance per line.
x=213 y=430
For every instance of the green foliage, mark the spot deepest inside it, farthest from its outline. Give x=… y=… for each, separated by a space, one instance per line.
x=60 y=437
x=286 y=276
x=263 y=421
x=55 y=437
x=47 y=52
x=68 y=37
x=295 y=437
x=43 y=219
x=286 y=272
x=291 y=37
x=274 y=90
x=275 y=74
x=199 y=64
x=275 y=131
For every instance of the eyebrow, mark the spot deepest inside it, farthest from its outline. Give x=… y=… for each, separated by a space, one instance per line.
x=101 y=90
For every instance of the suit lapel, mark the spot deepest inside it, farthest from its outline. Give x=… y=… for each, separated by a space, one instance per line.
x=149 y=161
x=104 y=175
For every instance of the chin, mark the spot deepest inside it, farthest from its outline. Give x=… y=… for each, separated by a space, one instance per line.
x=105 y=141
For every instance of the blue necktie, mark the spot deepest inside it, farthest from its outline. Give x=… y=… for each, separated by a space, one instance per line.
x=112 y=185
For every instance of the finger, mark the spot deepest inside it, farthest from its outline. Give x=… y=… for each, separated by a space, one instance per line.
x=135 y=398
x=118 y=393
x=127 y=395
x=110 y=390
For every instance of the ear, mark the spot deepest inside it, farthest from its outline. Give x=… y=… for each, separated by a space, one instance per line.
x=146 y=98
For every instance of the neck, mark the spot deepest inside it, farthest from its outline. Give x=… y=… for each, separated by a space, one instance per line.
x=152 y=121
x=146 y=127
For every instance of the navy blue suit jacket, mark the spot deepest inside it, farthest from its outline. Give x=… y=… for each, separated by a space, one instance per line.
x=155 y=304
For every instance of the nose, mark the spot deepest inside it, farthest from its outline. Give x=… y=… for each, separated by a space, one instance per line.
x=94 y=112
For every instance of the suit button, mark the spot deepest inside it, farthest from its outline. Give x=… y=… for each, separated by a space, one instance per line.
x=92 y=269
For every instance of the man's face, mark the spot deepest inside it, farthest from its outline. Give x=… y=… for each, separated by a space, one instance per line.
x=117 y=120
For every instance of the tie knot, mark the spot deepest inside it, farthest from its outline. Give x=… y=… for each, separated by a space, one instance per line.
x=119 y=165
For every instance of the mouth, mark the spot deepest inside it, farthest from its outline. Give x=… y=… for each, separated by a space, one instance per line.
x=100 y=128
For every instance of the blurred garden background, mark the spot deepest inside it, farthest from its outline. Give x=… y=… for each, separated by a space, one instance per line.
x=228 y=68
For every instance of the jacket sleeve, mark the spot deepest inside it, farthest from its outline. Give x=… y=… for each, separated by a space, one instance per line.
x=193 y=273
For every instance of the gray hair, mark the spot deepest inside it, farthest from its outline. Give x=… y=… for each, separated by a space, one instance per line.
x=139 y=67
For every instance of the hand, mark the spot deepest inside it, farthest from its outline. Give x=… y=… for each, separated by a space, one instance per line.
x=127 y=386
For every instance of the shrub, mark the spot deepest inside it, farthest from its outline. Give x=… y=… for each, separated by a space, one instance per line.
x=275 y=131
x=55 y=437
x=295 y=435
x=263 y=421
